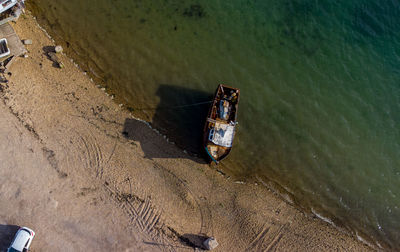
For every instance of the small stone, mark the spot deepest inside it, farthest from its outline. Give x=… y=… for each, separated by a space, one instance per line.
x=27 y=42
x=210 y=244
x=26 y=56
x=58 y=49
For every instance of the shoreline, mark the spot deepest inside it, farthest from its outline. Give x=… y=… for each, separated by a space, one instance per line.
x=141 y=172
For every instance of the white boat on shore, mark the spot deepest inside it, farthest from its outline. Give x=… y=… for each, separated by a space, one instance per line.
x=11 y=8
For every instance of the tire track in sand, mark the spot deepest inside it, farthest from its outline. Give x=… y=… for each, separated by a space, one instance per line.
x=82 y=148
x=144 y=217
x=206 y=226
x=268 y=238
x=93 y=153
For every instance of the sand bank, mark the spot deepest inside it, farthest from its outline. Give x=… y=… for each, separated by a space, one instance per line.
x=86 y=176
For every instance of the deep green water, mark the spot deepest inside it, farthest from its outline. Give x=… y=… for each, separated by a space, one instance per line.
x=320 y=86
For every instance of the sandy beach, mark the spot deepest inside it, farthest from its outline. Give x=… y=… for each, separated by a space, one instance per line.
x=86 y=176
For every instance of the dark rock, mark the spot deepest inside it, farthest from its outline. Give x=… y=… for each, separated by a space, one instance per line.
x=195 y=10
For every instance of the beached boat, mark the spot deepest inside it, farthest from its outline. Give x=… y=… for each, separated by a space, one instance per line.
x=13 y=5
x=219 y=129
x=7 y=4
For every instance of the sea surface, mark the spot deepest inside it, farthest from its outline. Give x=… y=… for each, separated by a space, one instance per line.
x=320 y=89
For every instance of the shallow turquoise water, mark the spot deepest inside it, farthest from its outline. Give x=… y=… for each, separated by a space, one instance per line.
x=319 y=82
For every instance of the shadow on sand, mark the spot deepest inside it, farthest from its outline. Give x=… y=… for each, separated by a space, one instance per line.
x=194 y=241
x=180 y=115
x=50 y=49
x=188 y=241
x=7 y=233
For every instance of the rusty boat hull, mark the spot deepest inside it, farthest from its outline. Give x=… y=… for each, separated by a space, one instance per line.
x=220 y=125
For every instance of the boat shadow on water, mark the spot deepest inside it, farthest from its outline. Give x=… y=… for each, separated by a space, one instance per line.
x=180 y=115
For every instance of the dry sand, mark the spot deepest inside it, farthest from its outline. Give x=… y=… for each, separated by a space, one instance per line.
x=86 y=176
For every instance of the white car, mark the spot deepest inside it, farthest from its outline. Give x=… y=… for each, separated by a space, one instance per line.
x=22 y=240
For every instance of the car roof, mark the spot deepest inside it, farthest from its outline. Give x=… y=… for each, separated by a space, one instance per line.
x=20 y=240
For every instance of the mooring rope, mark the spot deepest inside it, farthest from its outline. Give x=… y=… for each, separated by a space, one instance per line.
x=174 y=107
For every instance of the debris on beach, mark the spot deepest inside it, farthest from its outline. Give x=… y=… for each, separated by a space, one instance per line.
x=210 y=244
x=58 y=49
x=53 y=57
x=5 y=65
x=27 y=42
x=4 y=80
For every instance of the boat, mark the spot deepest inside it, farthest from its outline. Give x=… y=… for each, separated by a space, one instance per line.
x=7 y=4
x=4 y=50
x=219 y=129
x=10 y=10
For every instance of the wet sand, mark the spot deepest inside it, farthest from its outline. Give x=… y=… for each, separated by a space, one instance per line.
x=86 y=176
